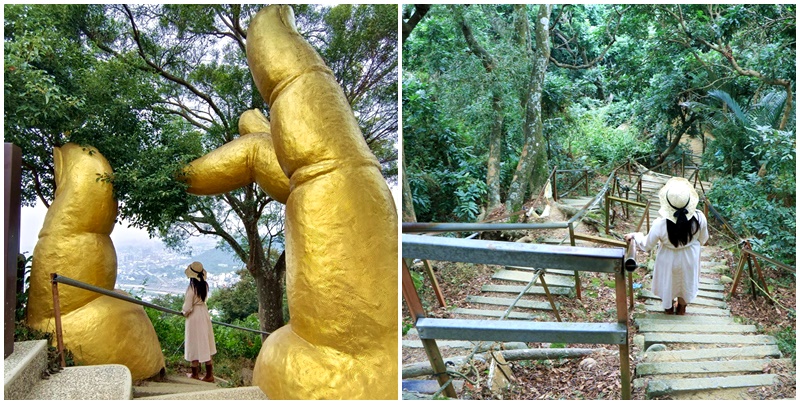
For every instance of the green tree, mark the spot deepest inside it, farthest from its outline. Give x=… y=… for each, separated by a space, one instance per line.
x=153 y=87
x=238 y=301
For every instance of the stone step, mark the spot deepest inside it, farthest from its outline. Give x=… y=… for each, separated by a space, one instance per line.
x=647 y=293
x=103 y=382
x=514 y=315
x=23 y=368
x=677 y=327
x=522 y=276
x=661 y=387
x=694 y=309
x=717 y=287
x=534 y=290
x=237 y=393
x=745 y=352
x=522 y=303
x=697 y=301
x=672 y=368
x=660 y=317
x=175 y=384
x=710 y=281
x=716 y=339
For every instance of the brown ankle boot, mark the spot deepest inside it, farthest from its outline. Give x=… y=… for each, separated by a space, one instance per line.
x=195 y=373
x=681 y=309
x=209 y=373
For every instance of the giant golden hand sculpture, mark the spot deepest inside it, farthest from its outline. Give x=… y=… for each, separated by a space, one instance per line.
x=75 y=242
x=341 y=223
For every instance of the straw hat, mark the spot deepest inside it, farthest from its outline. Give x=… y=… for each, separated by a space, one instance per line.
x=194 y=270
x=678 y=194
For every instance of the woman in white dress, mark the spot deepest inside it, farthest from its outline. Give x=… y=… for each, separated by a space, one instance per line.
x=199 y=345
x=679 y=233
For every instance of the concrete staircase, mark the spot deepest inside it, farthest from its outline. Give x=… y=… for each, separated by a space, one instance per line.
x=179 y=387
x=704 y=354
x=25 y=378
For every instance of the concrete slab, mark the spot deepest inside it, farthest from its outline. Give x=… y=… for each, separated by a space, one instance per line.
x=647 y=293
x=102 y=382
x=745 y=352
x=660 y=387
x=238 y=393
x=522 y=276
x=677 y=327
x=23 y=368
x=485 y=346
x=694 y=309
x=697 y=301
x=696 y=368
x=709 y=281
x=686 y=319
x=514 y=315
x=527 y=304
x=716 y=339
x=534 y=290
x=717 y=287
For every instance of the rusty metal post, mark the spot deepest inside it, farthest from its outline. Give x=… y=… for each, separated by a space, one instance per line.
x=436 y=289
x=12 y=169
x=411 y=297
x=608 y=232
x=57 y=314
x=737 y=275
x=577 y=274
x=753 y=290
x=622 y=318
x=549 y=296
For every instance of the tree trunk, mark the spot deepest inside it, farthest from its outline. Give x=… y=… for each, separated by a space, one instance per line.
x=496 y=130
x=409 y=215
x=532 y=167
x=268 y=288
x=495 y=152
x=676 y=139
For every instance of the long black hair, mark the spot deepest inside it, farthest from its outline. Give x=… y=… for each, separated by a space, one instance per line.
x=682 y=231
x=200 y=287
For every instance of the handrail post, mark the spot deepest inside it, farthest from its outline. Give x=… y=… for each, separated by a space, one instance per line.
x=587 y=181
x=607 y=214
x=416 y=310
x=57 y=314
x=577 y=274
x=622 y=318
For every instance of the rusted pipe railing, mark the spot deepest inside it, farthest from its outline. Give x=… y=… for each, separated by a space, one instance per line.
x=55 y=279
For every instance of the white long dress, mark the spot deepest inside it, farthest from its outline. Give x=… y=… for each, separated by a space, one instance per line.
x=677 y=270
x=199 y=337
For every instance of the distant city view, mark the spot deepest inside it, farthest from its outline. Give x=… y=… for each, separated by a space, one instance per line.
x=149 y=269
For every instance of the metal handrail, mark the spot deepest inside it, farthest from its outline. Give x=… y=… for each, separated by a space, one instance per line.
x=56 y=279
x=106 y=292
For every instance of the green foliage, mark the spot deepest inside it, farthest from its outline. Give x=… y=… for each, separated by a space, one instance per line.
x=234 y=343
x=236 y=302
x=598 y=143
x=787 y=342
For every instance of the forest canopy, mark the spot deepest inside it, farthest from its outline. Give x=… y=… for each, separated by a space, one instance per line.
x=495 y=96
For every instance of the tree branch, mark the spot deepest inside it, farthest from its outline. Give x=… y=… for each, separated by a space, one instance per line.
x=419 y=12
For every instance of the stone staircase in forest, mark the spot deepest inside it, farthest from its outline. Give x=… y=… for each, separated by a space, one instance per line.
x=179 y=387
x=704 y=354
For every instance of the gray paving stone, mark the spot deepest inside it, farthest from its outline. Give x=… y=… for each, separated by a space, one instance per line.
x=695 y=327
x=514 y=315
x=697 y=301
x=720 y=339
x=694 y=309
x=745 y=352
x=528 y=304
x=103 y=382
x=238 y=393
x=700 y=293
x=718 y=287
x=534 y=290
x=660 y=387
x=686 y=319
x=522 y=276
x=674 y=368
